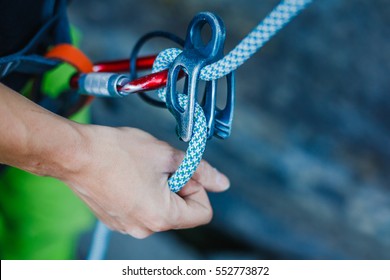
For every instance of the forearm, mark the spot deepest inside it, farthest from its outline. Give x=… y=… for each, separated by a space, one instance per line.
x=34 y=139
x=121 y=173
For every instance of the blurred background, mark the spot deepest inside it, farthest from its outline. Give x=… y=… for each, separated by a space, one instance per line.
x=309 y=155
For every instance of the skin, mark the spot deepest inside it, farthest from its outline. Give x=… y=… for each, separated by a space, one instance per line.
x=115 y=171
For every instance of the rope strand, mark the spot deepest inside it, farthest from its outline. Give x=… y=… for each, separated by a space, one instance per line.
x=279 y=17
x=276 y=20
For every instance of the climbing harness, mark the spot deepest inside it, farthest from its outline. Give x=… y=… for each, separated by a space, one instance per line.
x=27 y=60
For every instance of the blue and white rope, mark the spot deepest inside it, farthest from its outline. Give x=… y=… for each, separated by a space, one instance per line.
x=281 y=15
x=262 y=33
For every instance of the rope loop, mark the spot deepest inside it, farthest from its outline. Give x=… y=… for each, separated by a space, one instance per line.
x=281 y=15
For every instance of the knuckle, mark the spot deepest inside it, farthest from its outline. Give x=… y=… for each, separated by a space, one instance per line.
x=138 y=232
x=176 y=218
x=175 y=156
x=208 y=215
x=125 y=129
x=159 y=226
x=205 y=166
x=205 y=171
x=163 y=144
x=156 y=221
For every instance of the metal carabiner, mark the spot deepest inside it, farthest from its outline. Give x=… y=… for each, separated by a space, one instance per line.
x=194 y=57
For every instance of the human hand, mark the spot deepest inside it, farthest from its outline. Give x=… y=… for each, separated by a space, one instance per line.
x=123 y=174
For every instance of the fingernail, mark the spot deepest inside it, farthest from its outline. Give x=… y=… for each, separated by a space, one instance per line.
x=222 y=181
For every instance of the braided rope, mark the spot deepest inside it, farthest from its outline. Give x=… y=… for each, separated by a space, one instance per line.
x=197 y=143
x=280 y=16
x=276 y=20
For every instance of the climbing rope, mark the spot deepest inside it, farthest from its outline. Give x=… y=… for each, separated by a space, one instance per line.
x=280 y=16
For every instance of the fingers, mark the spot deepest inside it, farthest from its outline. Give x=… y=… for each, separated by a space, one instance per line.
x=138 y=231
x=175 y=159
x=191 y=207
x=192 y=204
x=133 y=228
x=210 y=178
x=190 y=188
x=188 y=209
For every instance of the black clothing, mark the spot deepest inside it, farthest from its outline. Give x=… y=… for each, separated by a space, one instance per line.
x=20 y=21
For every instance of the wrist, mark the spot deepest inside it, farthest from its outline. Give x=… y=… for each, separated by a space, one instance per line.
x=38 y=141
x=59 y=152
x=70 y=156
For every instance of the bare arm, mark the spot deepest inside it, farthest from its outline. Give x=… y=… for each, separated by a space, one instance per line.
x=121 y=173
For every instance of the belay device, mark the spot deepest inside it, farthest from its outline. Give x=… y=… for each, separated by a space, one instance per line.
x=195 y=123
x=194 y=57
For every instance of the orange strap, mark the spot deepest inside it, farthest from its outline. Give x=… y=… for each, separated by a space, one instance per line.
x=71 y=55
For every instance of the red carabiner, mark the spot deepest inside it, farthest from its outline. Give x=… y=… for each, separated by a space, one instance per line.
x=149 y=82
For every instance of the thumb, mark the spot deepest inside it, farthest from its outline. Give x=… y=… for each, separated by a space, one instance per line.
x=210 y=178
x=191 y=206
